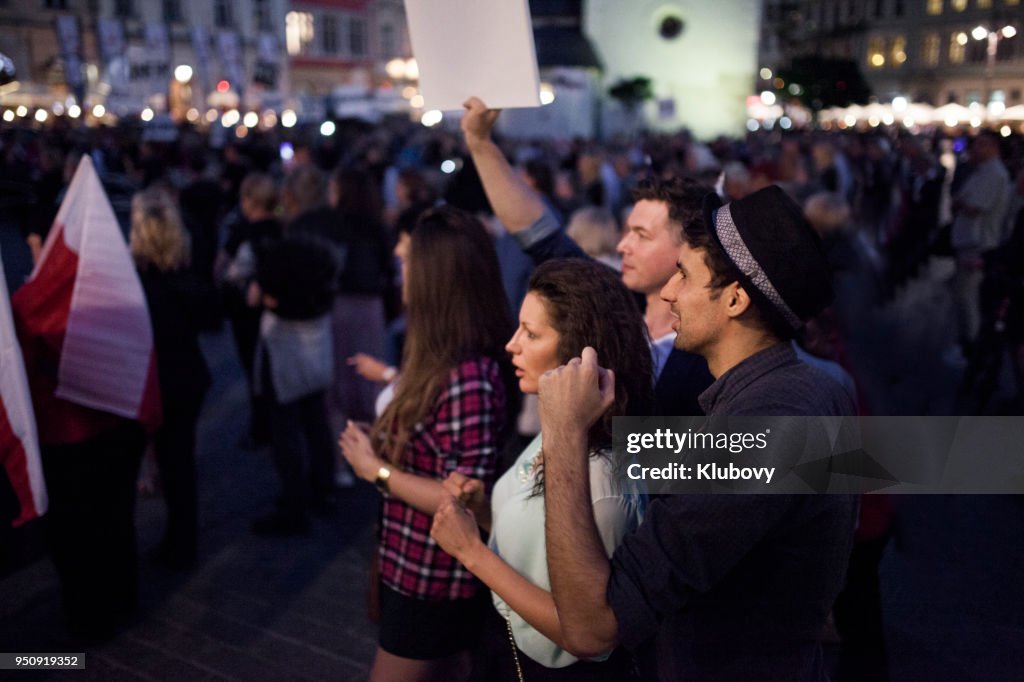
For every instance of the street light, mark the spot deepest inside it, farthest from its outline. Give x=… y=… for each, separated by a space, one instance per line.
x=993 y=38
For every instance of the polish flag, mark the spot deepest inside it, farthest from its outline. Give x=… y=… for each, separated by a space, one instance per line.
x=84 y=325
x=19 y=446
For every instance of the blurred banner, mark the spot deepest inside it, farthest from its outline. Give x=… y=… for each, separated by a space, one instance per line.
x=230 y=52
x=110 y=34
x=201 y=47
x=268 y=57
x=70 y=42
x=158 y=47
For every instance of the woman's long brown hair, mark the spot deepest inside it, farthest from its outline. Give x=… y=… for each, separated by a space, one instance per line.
x=456 y=310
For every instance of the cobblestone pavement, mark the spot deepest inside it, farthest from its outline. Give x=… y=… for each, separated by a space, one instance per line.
x=254 y=608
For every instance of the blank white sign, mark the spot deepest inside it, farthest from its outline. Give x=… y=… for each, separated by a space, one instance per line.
x=474 y=47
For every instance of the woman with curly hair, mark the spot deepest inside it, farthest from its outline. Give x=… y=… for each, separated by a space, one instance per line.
x=570 y=304
x=448 y=411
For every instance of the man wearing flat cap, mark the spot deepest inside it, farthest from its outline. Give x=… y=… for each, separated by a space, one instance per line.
x=711 y=587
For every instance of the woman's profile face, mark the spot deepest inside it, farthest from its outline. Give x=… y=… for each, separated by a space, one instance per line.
x=534 y=346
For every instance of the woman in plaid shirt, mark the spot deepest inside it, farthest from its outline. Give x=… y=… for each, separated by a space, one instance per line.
x=447 y=415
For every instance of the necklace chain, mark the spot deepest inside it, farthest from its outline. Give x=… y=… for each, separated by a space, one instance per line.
x=515 y=650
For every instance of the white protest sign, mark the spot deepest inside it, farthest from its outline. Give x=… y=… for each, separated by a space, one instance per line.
x=474 y=47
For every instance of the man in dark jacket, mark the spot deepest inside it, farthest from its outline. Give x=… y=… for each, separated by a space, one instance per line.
x=723 y=586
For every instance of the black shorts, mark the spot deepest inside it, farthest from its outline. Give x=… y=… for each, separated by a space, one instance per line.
x=425 y=629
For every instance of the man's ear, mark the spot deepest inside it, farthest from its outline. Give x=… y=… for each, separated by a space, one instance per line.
x=737 y=301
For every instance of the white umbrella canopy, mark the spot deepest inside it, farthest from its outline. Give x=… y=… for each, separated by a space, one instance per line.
x=951 y=114
x=1015 y=113
x=854 y=110
x=919 y=111
x=831 y=114
x=800 y=115
x=875 y=110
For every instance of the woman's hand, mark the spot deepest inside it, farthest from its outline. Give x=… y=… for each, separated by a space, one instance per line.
x=468 y=491
x=371 y=368
x=358 y=452
x=455 y=530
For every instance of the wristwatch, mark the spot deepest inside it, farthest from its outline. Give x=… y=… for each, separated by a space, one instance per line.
x=383 y=477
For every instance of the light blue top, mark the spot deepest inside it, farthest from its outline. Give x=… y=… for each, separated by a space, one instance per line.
x=517 y=535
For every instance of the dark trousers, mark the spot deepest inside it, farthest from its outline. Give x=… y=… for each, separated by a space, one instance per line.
x=175 y=446
x=91 y=526
x=303 y=451
x=245 y=328
x=858 y=616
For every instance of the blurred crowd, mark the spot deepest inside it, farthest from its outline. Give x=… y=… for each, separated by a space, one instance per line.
x=300 y=243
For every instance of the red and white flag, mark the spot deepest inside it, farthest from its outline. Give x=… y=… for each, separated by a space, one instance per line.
x=19 y=446
x=84 y=325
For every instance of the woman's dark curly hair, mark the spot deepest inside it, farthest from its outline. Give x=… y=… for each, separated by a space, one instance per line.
x=588 y=305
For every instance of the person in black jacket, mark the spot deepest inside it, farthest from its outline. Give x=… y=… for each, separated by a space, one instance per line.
x=295 y=282
x=180 y=304
x=257 y=203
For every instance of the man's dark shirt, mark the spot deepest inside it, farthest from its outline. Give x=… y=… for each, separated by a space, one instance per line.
x=737 y=587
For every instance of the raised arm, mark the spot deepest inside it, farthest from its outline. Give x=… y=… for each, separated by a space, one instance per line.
x=515 y=203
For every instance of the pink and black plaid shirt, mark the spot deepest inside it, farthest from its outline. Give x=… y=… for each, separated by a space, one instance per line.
x=460 y=435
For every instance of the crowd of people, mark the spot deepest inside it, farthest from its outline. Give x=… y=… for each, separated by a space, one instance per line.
x=463 y=340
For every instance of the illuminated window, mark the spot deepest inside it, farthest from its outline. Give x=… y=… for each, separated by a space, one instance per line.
x=984 y=4
x=298 y=32
x=934 y=6
x=876 y=52
x=957 y=41
x=930 y=49
x=1012 y=3
x=958 y=5
x=898 y=50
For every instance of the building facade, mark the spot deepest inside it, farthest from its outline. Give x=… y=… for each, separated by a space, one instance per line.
x=173 y=55
x=700 y=57
x=933 y=51
x=334 y=43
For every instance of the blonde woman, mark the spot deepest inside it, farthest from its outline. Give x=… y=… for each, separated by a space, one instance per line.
x=179 y=306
